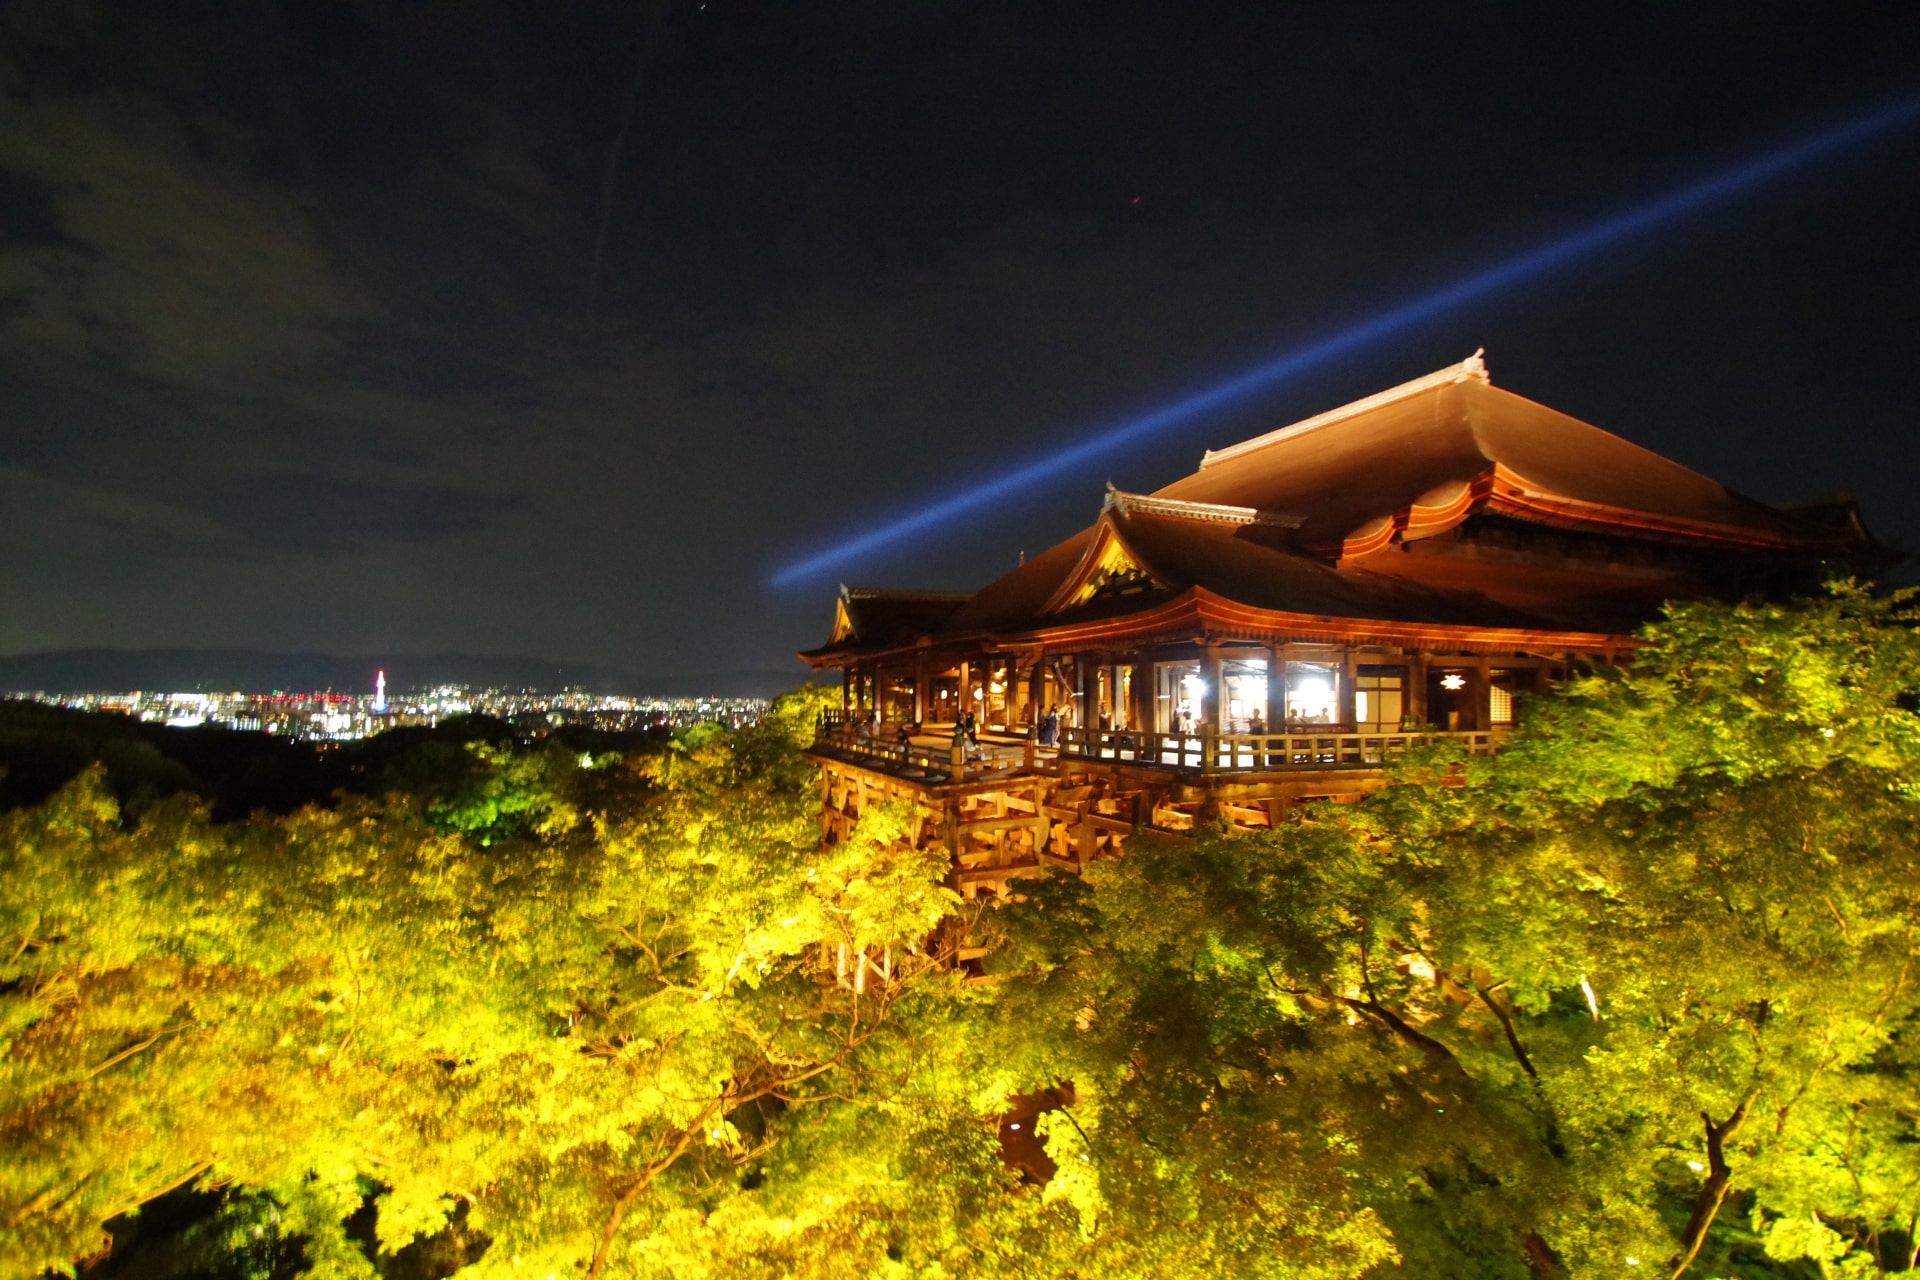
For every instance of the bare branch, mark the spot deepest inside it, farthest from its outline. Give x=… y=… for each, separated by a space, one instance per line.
x=1713 y=1192
x=131 y=1050
x=1506 y=1025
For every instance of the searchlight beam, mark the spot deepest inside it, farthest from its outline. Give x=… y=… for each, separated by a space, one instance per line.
x=1481 y=284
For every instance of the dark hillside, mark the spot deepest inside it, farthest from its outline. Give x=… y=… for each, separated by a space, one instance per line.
x=42 y=747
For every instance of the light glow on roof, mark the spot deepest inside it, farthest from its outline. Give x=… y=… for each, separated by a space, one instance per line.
x=1487 y=282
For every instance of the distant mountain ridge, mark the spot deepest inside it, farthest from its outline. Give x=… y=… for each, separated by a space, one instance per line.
x=256 y=671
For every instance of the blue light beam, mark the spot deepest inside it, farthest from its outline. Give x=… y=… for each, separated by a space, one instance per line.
x=1471 y=288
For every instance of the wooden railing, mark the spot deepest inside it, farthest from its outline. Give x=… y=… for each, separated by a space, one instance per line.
x=1259 y=752
x=931 y=753
x=1236 y=753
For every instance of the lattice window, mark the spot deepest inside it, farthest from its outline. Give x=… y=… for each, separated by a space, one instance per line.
x=1500 y=700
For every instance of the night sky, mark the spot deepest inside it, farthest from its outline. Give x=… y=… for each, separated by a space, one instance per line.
x=303 y=346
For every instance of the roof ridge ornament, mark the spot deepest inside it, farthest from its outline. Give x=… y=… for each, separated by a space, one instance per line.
x=1123 y=504
x=1472 y=369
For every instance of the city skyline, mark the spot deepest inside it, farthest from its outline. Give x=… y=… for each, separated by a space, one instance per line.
x=333 y=716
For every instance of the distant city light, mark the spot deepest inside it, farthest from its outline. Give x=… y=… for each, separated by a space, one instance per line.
x=340 y=717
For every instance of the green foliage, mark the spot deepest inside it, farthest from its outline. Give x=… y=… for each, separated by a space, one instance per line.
x=1636 y=996
x=1383 y=1011
x=500 y=1001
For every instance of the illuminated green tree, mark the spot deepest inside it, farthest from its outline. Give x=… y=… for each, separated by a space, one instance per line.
x=1548 y=1013
x=1720 y=846
x=562 y=1035
x=1636 y=996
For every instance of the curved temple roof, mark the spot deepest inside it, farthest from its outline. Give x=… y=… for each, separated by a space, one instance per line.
x=1380 y=455
x=1353 y=514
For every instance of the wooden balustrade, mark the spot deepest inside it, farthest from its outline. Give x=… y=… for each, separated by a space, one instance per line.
x=1234 y=753
x=1258 y=752
x=886 y=746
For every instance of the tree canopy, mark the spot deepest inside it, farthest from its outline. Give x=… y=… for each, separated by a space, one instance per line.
x=1636 y=995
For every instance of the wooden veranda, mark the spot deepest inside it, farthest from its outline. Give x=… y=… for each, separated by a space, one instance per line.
x=1013 y=808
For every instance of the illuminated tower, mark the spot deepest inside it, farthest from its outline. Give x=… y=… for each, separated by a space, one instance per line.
x=379 y=691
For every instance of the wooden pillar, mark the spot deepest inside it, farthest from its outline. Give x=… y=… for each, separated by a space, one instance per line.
x=1140 y=714
x=1416 y=709
x=1212 y=701
x=1276 y=688
x=920 y=687
x=964 y=697
x=1480 y=697
x=1037 y=687
x=1346 y=712
x=1212 y=698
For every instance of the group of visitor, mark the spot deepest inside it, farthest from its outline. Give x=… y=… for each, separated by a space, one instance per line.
x=966 y=738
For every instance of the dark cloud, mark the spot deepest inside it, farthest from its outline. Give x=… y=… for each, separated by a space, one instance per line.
x=274 y=513
x=292 y=297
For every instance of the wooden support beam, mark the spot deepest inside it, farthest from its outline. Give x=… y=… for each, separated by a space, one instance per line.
x=989 y=825
x=1416 y=699
x=1211 y=701
x=1140 y=714
x=1086 y=843
x=1000 y=875
x=1479 y=692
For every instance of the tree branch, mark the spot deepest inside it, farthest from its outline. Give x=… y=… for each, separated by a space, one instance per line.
x=1405 y=1030
x=1506 y=1024
x=646 y=1179
x=129 y=1052
x=26 y=940
x=1541 y=1259
x=1399 y=1025
x=735 y=1095
x=1713 y=1192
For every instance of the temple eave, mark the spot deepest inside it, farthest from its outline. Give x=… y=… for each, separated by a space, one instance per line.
x=1420 y=561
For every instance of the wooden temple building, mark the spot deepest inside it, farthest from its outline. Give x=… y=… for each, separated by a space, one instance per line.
x=1275 y=625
